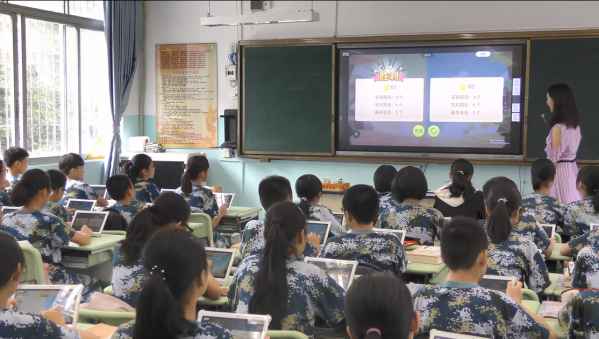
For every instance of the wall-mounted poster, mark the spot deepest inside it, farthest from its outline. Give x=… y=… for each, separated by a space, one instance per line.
x=186 y=95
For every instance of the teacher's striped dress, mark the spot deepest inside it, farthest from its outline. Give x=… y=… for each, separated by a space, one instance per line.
x=564 y=158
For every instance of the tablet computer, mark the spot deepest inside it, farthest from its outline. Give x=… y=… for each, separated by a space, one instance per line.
x=38 y=298
x=593 y=227
x=549 y=229
x=168 y=190
x=495 y=282
x=9 y=209
x=342 y=271
x=94 y=220
x=100 y=191
x=401 y=234
x=222 y=261
x=81 y=204
x=224 y=199
x=436 y=334
x=320 y=228
x=242 y=326
x=340 y=216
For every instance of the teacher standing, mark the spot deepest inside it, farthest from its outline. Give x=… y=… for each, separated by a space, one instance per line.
x=563 y=141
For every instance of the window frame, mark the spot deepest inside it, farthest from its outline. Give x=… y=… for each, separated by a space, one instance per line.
x=19 y=15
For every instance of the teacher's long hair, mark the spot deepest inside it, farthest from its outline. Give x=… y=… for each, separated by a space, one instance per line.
x=565 y=110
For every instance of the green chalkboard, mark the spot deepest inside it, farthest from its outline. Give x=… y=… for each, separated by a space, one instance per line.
x=287 y=100
x=575 y=62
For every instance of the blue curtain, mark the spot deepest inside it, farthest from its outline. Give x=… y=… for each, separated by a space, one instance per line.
x=122 y=34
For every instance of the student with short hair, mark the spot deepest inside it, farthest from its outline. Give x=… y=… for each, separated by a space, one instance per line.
x=379 y=306
x=404 y=210
x=460 y=305
x=383 y=178
x=375 y=251
x=46 y=232
x=580 y=215
x=280 y=283
x=459 y=198
x=510 y=253
x=13 y=324
x=54 y=206
x=73 y=166
x=4 y=186
x=17 y=161
x=177 y=276
x=141 y=170
x=120 y=188
x=168 y=211
x=200 y=198
x=309 y=189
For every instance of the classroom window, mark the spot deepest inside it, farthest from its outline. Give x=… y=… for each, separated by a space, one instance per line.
x=62 y=78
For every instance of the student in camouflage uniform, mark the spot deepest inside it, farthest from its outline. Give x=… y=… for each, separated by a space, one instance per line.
x=168 y=211
x=15 y=324
x=17 y=161
x=511 y=254
x=377 y=251
x=540 y=206
x=379 y=305
x=281 y=284
x=404 y=210
x=580 y=313
x=4 y=186
x=45 y=232
x=383 y=177
x=528 y=229
x=140 y=170
x=586 y=267
x=177 y=277
x=73 y=166
x=580 y=215
x=460 y=305
x=120 y=188
x=309 y=189
x=54 y=206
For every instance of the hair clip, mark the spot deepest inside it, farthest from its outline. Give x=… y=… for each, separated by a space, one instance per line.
x=158 y=270
x=460 y=172
x=374 y=330
x=503 y=200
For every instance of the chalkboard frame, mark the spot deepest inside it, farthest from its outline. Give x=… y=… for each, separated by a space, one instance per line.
x=242 y=104
x=440 y=37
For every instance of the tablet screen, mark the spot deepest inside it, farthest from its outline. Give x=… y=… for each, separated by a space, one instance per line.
x=224 y=199
x=99 y=190
x=338 y=271
x=494 y=284
x=548 y=230
x=240 y=328
x=32 y=300
x=93 y=220
x=339 y=218
x=317 y=228
x=220 y=263
x=81 y=205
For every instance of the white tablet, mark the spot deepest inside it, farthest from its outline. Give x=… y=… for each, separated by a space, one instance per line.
x=340 y=216
x=549 y=229
x=9 y=209
x=81 y=204
x=38 y=298
x=168 y=190
x=435 y=334
x=224 y=199
x=401 y=234
x=100 y=191
x=495 y=282
x=342 y=271
x=320 y=228
x=242 y=326
x=94 y=220
x=222 y=261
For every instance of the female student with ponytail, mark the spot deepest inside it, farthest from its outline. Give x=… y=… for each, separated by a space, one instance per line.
x=49 y=324
x=459 y=198
x=140 y=170
x=580 y=215
x=278 y=282
x=511 y=254
x=177 y=276
x=309 y=189
x=379 y=306
x=44 y=231
x=200 y=198
x=168 y=211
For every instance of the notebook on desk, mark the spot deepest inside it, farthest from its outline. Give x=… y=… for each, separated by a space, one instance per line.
x=401 y=234
x=242 y=326
x=342 y=271
x=436 y=334
x=495 y=282
x=222 y=261
x=38 y=298
x=94 y=220
x=81 y=204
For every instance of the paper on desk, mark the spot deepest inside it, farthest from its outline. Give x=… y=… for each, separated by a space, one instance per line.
x=73 y=244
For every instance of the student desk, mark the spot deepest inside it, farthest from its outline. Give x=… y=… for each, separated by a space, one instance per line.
x=531 y=305
x=560 y=331
x=557 y=286
x=556 y=255
x=94 y=259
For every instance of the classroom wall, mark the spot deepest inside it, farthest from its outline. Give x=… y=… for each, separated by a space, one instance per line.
x=178 y=22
